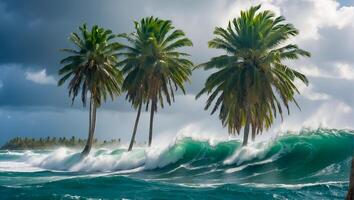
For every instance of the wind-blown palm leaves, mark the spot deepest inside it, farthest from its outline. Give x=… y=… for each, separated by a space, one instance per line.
x=252 y=82
x=154 y=66
x=91 y=68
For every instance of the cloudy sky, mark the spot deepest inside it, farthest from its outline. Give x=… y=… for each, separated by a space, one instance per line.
x=32 y=32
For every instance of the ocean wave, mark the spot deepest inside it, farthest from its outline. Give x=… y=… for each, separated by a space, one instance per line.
x=313 y=154
x=121 y=187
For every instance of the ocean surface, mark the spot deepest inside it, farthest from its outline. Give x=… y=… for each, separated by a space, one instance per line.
x=307 y=165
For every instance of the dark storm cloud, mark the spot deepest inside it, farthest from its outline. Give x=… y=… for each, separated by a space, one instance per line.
x=32 y=32
x=17 y=92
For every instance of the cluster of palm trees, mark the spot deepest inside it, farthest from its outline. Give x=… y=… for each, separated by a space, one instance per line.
x=249 y=86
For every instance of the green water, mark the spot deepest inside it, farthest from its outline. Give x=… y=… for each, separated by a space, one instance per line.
x=310 y=165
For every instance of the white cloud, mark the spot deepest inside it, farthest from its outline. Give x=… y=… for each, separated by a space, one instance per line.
x=238 y=6
x=330 y=114
x=336 y=70
x=307 y=15
x=315 y=15
x=40 y=77
x=310 y=94
x=345 y=71
x=314 y=71
x=326 y=29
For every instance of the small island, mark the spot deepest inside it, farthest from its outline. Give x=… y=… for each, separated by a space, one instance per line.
x=22 y=143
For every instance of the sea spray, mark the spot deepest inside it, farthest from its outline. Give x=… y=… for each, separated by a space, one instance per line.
x=250 y=152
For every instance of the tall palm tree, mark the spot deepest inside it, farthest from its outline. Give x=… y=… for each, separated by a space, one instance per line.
x=154 y=65
x=252 y=82
x=91 y=68
x=136 y=94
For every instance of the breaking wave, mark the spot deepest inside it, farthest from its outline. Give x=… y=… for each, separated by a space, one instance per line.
x=306 y=154
x=312 y=164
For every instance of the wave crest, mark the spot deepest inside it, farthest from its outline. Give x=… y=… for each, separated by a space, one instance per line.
x=292 y=156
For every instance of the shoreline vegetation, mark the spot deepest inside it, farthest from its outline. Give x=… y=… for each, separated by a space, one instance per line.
x=26 y=143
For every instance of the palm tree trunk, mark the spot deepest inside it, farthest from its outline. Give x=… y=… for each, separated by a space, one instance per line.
x=151 y=120
x=246 y=131
x=92 y=124
x=135 y=128
x=350 y=195
x=93 y=121
x=253 y=134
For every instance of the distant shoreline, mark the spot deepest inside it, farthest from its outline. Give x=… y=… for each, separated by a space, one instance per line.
x=24 y=143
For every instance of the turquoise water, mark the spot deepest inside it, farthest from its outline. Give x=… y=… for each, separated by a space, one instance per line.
x=310 y=165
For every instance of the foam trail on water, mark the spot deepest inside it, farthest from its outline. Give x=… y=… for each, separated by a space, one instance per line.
x=240 y=168
x=294 y=186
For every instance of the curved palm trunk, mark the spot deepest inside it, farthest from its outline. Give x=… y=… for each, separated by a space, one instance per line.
x=152 y=111
x=253 y=134
x=350 y=195
x=135 y=128
x=246 y=131
x=92 y=125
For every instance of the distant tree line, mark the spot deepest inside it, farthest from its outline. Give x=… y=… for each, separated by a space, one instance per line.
x=19 y=143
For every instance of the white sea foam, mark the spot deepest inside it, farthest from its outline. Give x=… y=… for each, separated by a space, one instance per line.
x=11 y=153
x=331 y=169
x=99 y=160
x=242 y=167
x=158 y=158
x=196 y=133
x=293 y=186
x=105 y=160
x=201 y=185
x=12 y=166
x=247 y=153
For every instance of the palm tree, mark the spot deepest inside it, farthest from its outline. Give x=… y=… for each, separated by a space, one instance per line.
x=252 y=82
x=135 y=85
x=154 y=66
x=135 y=95
x=92 y=69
